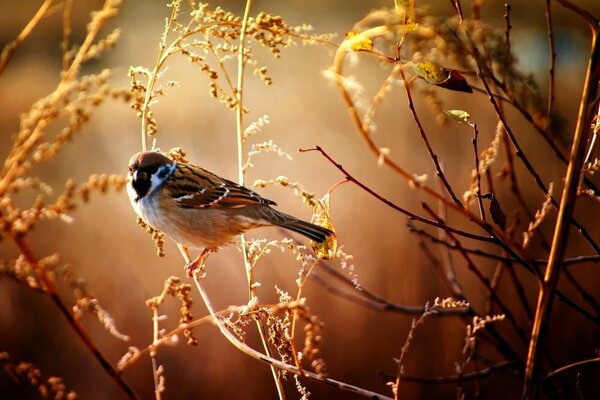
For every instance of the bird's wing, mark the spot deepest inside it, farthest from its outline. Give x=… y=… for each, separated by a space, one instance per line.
x=199 y=188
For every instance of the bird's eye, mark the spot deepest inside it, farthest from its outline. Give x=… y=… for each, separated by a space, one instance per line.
x=163 y=171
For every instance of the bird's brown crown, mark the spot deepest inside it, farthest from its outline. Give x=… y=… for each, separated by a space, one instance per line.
x=145 y=159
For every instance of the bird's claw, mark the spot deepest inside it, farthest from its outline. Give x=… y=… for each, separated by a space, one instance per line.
x=197 y=263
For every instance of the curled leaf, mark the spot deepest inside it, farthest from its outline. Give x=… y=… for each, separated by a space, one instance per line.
x=496 y=212
x=458 y=115
x=450 y=79
x=359 y=44
x=321 y=217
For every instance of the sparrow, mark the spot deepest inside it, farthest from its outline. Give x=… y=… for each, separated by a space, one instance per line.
x=199 y=209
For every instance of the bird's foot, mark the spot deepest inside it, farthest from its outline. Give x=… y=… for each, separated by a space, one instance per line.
x=197 y=263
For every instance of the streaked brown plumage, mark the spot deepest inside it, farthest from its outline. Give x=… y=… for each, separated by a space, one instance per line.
x=199 y=209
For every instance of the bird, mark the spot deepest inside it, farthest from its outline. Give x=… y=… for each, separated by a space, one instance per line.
x=199 y=209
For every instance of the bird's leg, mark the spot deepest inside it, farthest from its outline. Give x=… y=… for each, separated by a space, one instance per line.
x=197 y=262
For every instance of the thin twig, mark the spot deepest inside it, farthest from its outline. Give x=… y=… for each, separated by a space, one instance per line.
x=592 y=362
x=467 y=376
x=589 y=18
x=155 y=340
x=565 y=216
x=477 y=171
x=432 y=155
x=552 y=50
x=496 y=237
x=66 y=33
x=73 y=323
x=10 y=49
x=271 y=361
x=239 y=114
x=369 y=299
x=485 y=281
x=519 y=152
x=507 y=27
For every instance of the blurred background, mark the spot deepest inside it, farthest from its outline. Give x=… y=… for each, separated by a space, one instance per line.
x=117 y=259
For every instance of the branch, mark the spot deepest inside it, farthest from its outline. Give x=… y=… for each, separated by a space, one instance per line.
x=565 y=215
x=592 y=362
x=273 y=362
x=468 y=376
x=73 y=323
x=10 y=49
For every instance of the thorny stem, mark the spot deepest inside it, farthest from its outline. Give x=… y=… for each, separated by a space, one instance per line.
x=73 y=323
x=565 y=215
x=273 y=362
x=9 y=50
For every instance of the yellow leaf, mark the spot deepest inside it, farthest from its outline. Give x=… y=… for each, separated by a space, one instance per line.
x=458 y=115
x=359 y=44
x=321 y=217
x=432 y=73
x=405 y=6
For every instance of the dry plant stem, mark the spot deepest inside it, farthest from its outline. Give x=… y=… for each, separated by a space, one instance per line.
x=552 y=49
x=519 y=151
x=239 y=113
x=467 y=376
x=295 y=318
x=64 y=45
x=73 y=323
x=432 y=154
x=496 y=236
x=437 y=224
x=479 y=199
x=589 y=18
x=155 y=340
x=457 y=6
x=482 y=253
x=9 y=50
x=152 y=80
x=565 y=215
x=556 y=146
x=396 y=207
x=507 y=27
x=449 y=271
x=369 y=299
x=9 y=170
x=271 y=361
x=485 y=281
x=592 y=362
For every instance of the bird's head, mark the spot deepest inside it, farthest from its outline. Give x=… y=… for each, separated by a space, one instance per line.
x=148 y=170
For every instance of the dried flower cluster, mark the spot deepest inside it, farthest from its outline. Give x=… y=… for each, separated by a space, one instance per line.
x=26 y=373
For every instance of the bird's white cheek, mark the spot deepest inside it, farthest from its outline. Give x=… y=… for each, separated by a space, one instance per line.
x=132 y=196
